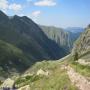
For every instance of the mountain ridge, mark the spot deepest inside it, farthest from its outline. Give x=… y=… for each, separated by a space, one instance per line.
x=82 y=45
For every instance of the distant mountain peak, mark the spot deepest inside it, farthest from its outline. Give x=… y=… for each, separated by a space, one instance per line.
x=3 y=15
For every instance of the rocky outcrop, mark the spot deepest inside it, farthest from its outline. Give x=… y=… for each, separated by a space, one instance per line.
x=82 y=45
x=8 y=84
x=42 y=72
x=27 y=87
x=58 y=35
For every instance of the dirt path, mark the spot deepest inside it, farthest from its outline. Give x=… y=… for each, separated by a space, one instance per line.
x=80 y=81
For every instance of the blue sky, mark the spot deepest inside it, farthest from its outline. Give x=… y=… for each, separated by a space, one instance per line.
x=60 y=13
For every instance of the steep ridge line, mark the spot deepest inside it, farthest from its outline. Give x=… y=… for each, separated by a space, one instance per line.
x=80 y=81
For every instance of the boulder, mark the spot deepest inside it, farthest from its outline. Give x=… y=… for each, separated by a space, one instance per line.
x=42 y=72
x=27 y=87
x=8 y=83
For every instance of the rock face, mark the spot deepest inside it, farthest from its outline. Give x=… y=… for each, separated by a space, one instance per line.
x=59 y=36
x=42 y=72
x=27 y=87
x=82 y=45
x=8 y=83
x=63 y=37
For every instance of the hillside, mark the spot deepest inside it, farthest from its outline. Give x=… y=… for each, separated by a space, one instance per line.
x=65 y=38
x=82 y=45
x=12 y=60
x=22 y=43
x=29 y=37
x=59 y=36
x=73 y=34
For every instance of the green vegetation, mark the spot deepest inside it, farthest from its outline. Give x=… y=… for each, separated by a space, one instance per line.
x=82 y=69
x=76 y=56
x=1 y=82
x=22 y=33
x=82 y=44
x=21 y=46
x=11 y=59
x=21 y=81
x=22 y=43
x=56 y=80
x=45 y=65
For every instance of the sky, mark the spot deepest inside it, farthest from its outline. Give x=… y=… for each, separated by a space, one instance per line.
x=60 y=13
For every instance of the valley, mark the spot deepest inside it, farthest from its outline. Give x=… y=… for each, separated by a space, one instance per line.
x=37 y=57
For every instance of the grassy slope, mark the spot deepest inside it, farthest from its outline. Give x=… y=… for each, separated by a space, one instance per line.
x=82 y=47
x=11 y=59
x=82 y=69
x=57 y=79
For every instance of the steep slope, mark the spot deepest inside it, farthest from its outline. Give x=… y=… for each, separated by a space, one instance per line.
x=74 y=33
x=65 y=38
x=28 y=36
x=12 y=59
x=59 y=36
x=73 y=37
x=82 y=45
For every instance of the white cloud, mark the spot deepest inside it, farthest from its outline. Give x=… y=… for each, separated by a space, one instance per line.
x=36 y=13
x=45 y=3
x=6 y=5
x=15 y=7
x=3 y=4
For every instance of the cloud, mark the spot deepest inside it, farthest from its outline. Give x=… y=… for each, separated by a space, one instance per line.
x=6 y=5
x=36 y=13
x=3 y=4
x=45 y=3
x=15 y=7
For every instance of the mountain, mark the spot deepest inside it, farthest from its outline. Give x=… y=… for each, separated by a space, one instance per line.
x=82 y=45
x=62 y=37
x=24 y=43
x=74 y=33
x=58 y=35
x=29 y=37
x=72 y=38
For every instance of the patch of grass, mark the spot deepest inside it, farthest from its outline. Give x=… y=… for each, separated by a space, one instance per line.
x=82 y=69
x=21 y=81
x=45 y=65
x=56 y=80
